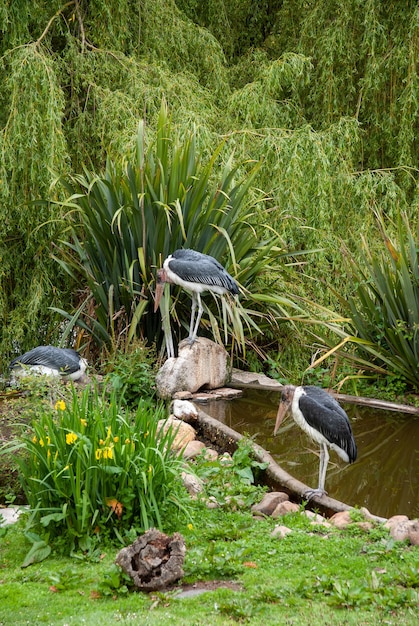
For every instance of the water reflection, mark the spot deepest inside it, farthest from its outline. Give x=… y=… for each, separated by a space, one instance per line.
x=384 y=478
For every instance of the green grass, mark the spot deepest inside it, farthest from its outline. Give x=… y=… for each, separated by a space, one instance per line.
x=313 y=576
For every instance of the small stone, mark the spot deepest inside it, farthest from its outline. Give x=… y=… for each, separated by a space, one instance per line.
x=192 y=483
x=205 y=396
x=283 y=508
x=246 y=378
x=400 y=531
x=315 y=517
x=366 y=526
x=394 y=520
x=211 y=454
x=413 y=532
x=281 y=531
x=212 y=503
x=269 y=502
x=185 y=410
x=342 y=519
x=193 y=449
x=226 y=393
x=324 y=523
x=182 y=395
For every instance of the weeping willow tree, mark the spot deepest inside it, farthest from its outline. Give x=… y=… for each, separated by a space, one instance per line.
x=324 y=93
x=76 y=78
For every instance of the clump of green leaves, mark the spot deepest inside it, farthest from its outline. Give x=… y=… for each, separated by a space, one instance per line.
x=379 y=590
x=231 y=480
x=385 y=308
x=132 y=373
x=91 y=469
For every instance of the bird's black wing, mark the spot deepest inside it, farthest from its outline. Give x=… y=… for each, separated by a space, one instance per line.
x=325 y=399
x=324 y=414
x=63 y=359
x=196 y=267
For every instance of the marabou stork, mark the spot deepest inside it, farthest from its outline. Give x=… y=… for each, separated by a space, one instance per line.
x=324 y=420
x=51 y=361
x=195 y=272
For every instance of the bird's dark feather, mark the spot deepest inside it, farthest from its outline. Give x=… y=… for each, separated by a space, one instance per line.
x=325 y=415
x=63 y=359
x=195 y=267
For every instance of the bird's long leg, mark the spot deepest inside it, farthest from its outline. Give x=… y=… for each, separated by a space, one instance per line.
x=190 y=338
x=198 y=318
x=324 y=460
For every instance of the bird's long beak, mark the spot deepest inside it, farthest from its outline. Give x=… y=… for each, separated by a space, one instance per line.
x=282 y=411
x=158 y=295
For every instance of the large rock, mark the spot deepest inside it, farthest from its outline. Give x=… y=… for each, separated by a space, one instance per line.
x=183 y=432
x=202 y=364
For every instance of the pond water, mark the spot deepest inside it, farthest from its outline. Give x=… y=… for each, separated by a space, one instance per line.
x=384 y=478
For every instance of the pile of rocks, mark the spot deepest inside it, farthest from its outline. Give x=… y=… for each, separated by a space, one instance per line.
x=277 y=504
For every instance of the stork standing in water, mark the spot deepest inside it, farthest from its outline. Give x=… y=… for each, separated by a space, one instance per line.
x=51 y=361
x=324 y=420
x=195 y=272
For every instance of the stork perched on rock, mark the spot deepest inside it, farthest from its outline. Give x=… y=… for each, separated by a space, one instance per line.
x=324 y=420
x=195 y=272
x=51 y=361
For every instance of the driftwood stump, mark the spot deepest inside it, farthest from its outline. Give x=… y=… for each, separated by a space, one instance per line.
x=154 y=560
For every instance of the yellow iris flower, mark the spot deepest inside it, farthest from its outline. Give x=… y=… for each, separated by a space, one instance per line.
x=70 y=438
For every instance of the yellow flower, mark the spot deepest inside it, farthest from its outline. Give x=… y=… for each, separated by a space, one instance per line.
x=101 y=442
x=190 y=526
x=127 y=440
x=35 y=439
x=60 y=404
x=48 y=440
x=116 y=439
x=70 y=438
x=146 y=434
x=98 y=454
x=41 y=443
x=107 y=453
x=109 y=434
x=83 y=422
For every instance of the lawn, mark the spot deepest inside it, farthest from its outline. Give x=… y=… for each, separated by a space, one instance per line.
x=312 y=576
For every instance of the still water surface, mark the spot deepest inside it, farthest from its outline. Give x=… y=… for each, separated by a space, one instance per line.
x=384 y=478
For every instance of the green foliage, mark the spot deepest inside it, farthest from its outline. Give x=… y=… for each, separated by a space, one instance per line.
x=378 y=591
x=128 y=221
x=230 y=480
x=383 y=318
x=385 y=307
x=92 y=469
x=132 y=373
x=28 y=284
